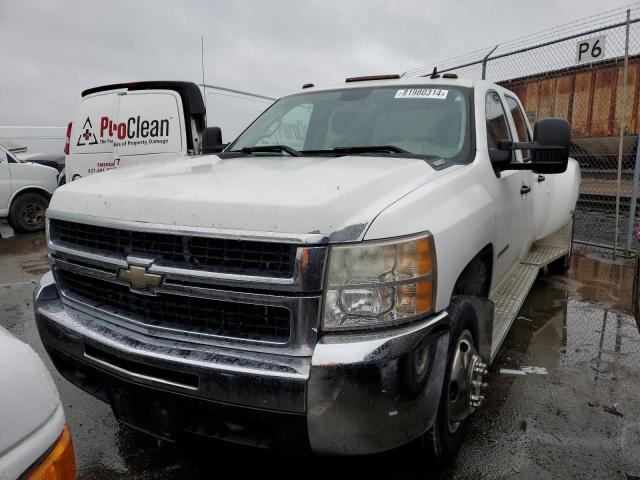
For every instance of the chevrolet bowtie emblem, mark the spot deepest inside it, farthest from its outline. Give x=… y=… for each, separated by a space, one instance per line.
x=138 y=277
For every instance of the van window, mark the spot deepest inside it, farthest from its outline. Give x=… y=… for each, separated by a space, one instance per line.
x=148 y=123
x=497 y=126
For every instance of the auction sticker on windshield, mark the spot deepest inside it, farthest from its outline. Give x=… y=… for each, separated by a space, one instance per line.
x=422 y=93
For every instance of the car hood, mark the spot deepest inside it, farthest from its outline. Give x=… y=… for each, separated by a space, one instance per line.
x=28 y=396
x=337 y=197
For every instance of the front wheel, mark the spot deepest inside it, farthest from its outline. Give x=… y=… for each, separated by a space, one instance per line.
x=27 y=212
x=461 y=390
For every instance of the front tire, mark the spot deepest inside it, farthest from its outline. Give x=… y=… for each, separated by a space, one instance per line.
x=27 y=212
x=443 y=441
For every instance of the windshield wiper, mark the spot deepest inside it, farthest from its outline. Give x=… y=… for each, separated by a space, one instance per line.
x=363 y=149
x=269 y=148
x=370 y=149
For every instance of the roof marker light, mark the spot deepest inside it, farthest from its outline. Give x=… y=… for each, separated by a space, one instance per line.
x=372 y=77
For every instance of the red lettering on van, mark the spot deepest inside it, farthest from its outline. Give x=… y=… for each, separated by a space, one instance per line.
x=122 y=131
x=104 y=123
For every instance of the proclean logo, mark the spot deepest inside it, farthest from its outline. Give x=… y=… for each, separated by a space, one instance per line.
x=134 y=127
x=87 y=137
x=135 y=131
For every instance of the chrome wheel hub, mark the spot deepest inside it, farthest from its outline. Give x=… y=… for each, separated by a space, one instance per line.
x=464 y=391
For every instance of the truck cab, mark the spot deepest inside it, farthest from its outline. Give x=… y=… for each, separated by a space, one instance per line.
x=339 y=278
x=132 y=123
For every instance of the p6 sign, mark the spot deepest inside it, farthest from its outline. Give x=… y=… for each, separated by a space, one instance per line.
x=590 y=50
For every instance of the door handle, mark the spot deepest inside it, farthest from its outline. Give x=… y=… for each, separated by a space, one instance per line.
x=525 y=189
x=541 y=178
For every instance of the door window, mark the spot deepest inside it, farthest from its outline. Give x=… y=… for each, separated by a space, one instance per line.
x=521 y=126
x=497 y=126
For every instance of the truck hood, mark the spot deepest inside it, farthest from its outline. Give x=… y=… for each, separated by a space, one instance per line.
x=335 y=197
x=28 y=397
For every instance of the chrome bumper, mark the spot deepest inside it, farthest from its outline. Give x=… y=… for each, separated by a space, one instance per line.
x=358 y=392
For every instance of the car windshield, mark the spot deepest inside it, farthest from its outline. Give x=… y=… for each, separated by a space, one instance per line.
x=419 y=121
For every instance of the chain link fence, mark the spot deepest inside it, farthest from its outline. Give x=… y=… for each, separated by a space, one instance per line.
x=588 y=72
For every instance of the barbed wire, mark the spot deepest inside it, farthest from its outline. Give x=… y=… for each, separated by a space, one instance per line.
x=556 y=33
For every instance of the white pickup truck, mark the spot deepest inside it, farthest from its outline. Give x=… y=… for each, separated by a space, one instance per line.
x=337 y=279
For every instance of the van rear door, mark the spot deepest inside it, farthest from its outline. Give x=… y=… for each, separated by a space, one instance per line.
x=150 y=127
x=90 y=147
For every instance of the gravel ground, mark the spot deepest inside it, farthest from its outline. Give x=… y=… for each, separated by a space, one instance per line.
x=599 y=227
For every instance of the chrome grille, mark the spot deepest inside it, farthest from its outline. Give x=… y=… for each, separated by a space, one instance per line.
x=252 y=290
x=190 y=314
x=270 y=259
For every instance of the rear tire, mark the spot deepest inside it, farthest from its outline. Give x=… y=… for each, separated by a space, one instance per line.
x=562 y=265
x=443 y=441
x=27 y=213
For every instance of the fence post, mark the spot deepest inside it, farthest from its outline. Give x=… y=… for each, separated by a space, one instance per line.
x=484 y=62
x=623 y=126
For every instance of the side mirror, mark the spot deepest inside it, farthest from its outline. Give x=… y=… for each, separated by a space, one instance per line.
x=549 y=149
x=212 y=140
x=555 y=135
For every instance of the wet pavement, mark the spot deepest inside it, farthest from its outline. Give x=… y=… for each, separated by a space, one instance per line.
x=579 y=328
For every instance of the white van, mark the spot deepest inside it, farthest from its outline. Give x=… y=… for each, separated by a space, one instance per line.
x=25 y=190
x=133 y=123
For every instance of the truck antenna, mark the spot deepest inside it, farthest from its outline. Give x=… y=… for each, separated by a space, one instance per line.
x=204 y=86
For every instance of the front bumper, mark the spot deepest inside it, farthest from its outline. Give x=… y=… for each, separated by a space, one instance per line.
x=357 y=393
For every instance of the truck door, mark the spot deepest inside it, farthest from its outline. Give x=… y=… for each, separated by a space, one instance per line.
x=540 y=195
x=5 y=181
x=149 y=127
x=511 y=198
x=90 y=142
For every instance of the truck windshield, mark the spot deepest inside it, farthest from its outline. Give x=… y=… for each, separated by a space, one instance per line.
x=418 y=121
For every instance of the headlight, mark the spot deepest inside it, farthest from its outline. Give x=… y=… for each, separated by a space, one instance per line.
x=378 y=283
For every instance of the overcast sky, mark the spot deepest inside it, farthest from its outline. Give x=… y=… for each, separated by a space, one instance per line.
x=51 y=51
